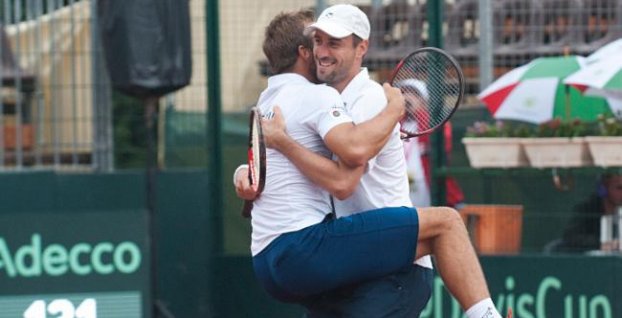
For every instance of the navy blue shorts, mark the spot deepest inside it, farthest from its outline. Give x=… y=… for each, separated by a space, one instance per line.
x=338 y=252
x=401 y=294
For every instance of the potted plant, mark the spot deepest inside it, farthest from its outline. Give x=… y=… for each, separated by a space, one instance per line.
x=495 y=145
x=605 y=141
x=558 y=143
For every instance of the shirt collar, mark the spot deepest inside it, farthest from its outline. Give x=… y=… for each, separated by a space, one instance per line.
x=356 y=85
x=286 y=78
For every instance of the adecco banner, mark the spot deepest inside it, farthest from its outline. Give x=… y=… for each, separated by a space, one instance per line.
x=544 y=287
x=74 y=264
x=101 y=258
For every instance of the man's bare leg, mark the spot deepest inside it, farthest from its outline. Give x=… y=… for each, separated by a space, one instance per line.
x=442 y=233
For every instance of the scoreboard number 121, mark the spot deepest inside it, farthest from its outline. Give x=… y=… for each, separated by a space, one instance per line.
x=62 y=308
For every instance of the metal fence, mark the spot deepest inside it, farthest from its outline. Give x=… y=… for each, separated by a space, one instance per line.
x=488 y=38
x=56 y=105
x=51 y=82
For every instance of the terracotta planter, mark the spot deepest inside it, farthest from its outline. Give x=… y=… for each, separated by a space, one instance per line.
x=495 y=152
x=560 y=152
x=606 y=151
x=494 y=229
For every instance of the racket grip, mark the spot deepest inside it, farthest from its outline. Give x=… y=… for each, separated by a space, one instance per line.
x=246 y=209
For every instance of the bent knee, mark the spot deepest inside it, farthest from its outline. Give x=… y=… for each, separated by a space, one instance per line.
x=436 y=220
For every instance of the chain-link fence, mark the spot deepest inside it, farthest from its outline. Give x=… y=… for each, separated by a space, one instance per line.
x=50 y=49
x=51 y=80
x=57 y=110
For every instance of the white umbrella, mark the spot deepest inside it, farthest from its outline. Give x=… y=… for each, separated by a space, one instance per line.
x=601 y=78
x=616 y=106
x=610 y=49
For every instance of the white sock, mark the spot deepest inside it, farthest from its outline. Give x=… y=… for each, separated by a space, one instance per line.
x=483 y=309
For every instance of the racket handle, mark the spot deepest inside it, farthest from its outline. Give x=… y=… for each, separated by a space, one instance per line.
x=246 y=209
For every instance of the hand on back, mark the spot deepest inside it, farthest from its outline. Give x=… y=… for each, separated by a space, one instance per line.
x=273 y=128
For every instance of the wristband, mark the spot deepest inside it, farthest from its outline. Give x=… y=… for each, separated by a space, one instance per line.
x=240 y=167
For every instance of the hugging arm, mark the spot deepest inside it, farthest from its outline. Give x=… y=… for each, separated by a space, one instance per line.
x=353 y=144
x=339 y=179
x=356 y=144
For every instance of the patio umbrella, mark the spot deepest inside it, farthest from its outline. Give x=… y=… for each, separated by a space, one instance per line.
x=610 y=49
x=535 y=93
x=601 y=78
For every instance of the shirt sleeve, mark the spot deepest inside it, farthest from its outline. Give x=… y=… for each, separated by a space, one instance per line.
x=331 y=111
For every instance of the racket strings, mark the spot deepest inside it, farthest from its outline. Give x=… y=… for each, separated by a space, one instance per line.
x=431 y=85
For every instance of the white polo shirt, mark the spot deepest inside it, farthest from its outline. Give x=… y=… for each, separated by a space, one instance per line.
x=385 y=182
x=290 y=201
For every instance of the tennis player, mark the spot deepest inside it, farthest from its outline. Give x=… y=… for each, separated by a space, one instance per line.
x=295 y=260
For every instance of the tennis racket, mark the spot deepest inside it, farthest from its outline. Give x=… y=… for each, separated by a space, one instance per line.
x=256 y=159
x=433 y=85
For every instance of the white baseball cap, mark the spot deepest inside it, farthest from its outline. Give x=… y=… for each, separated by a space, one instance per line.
x=418 y=85
x=340 y=21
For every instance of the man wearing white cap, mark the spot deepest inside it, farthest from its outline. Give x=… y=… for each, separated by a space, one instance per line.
x=419 y=188
x=340 y=38
x=417 y=151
